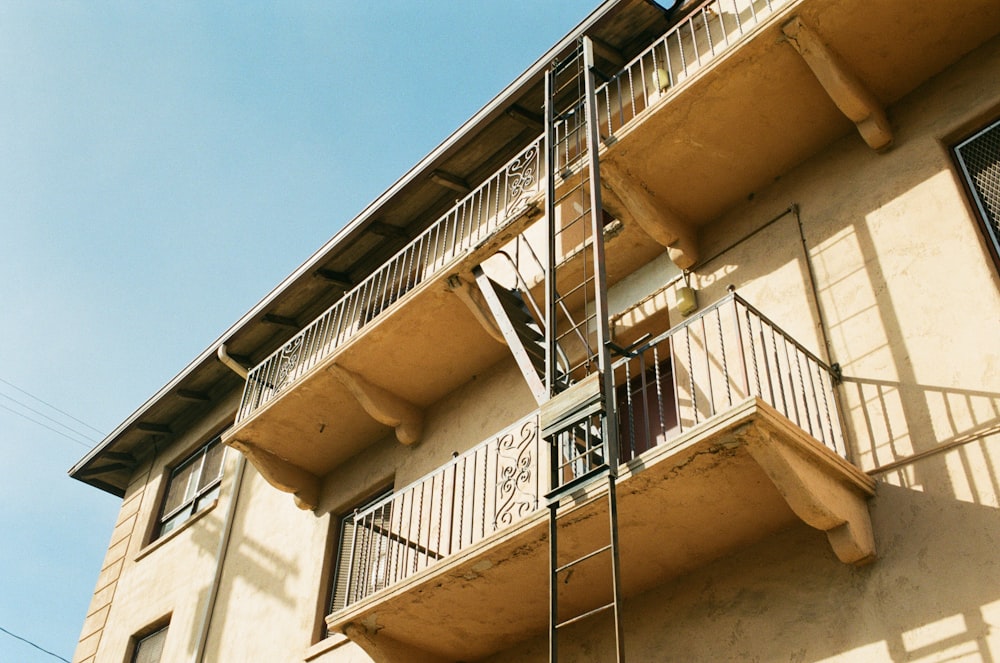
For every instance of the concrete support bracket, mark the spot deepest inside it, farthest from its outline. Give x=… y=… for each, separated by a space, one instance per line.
x=631 y=201
x=473 y=299
x=282 y=474
x=847 y=91
x=821 y=497
x=383 y=405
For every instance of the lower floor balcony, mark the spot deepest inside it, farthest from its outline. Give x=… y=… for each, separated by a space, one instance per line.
x=729 y=432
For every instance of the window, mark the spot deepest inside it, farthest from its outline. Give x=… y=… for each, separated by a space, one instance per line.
x=362 y=552
x=193 y=485
x=149 y=648
x=979 y=161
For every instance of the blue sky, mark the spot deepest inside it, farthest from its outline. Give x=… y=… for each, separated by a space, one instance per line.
x=163 y=165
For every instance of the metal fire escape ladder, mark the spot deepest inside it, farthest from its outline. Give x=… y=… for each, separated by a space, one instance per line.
x=578 y=418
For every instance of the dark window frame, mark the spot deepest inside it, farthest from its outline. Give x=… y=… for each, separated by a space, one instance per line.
x=988 y=220
x=145 y=636
x=194 y=501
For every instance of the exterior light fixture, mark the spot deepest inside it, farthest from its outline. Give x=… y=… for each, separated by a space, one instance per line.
x=687 y=298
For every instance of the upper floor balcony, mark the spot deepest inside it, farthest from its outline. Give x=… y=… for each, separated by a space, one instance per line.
x=729 y=431
x=730 y=97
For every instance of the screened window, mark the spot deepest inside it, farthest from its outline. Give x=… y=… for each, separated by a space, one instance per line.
x=362 y=552
x=194 y=484
x=979 y=160
x=149 y=648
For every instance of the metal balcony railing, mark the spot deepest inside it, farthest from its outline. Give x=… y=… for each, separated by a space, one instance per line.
x=475 y=218
x=669 y=385
x=653 y=75
x=714 y=360
x=688 y=46
x=493 y=485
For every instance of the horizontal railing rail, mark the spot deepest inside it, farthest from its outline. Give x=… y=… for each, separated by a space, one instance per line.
x=473 y=219
x=712 y=361
x=493 y=485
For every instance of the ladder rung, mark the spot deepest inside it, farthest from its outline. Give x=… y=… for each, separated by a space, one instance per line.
x=584 y=558
x=585 y=615
x=599 y=472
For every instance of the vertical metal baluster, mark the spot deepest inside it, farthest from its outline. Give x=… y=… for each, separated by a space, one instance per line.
x=659 y=390
x=454 y=512
x=473 y=513
x=420 y=524
x=822 y=375
x=668 y=61
x=805 y=400
x=725 y=361
x=461 y=504
x=753 y=353
x=363 y=572
x=486 y=462
x=428 y=549
x=351 y=562
x=440 y=531
x=708 y=30
x=631 y=409
x=680 y=50
x=407 y=557
x=791 y=379
x=411 y=252
x=708 y=369
x=722 y=23
x=395 y=544
x=736 y=13
x=647 y=94
x=763 y=354
x=694 y=41
x=694 y=394
x=777 y=365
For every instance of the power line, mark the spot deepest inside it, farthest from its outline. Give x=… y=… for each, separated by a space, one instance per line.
x=10 y=384
x=13 y=635
x=55 y=421
x=56 y=431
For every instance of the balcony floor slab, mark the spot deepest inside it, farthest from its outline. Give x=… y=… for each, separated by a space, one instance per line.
x=681 y=505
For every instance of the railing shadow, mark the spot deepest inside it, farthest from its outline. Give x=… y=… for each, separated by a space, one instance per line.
x=249 y=561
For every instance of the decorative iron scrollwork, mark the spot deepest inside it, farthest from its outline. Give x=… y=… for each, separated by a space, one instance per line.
x=287 y=361
x=521 y=179
x=517 y=481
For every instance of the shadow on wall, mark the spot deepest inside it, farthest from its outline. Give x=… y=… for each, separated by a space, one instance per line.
x=252 y=572
x=932 y=595
x=895 y=432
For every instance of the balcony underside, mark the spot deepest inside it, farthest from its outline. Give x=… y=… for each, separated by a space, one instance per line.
x=757 y=110
x=417 y=352
x=738 y=478
x=419 y=349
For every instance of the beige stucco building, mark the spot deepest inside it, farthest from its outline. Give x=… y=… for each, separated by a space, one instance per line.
x=736 y=259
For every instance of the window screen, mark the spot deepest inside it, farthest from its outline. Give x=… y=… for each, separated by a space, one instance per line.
x=149 y=649
x=979 y=159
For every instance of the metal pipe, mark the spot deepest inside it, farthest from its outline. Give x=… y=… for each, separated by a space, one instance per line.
x=231 y=363
x=205 y=620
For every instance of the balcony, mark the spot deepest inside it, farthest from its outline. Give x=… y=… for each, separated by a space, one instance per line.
x=731 y=97
x=730 y=431
x=340 y=363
